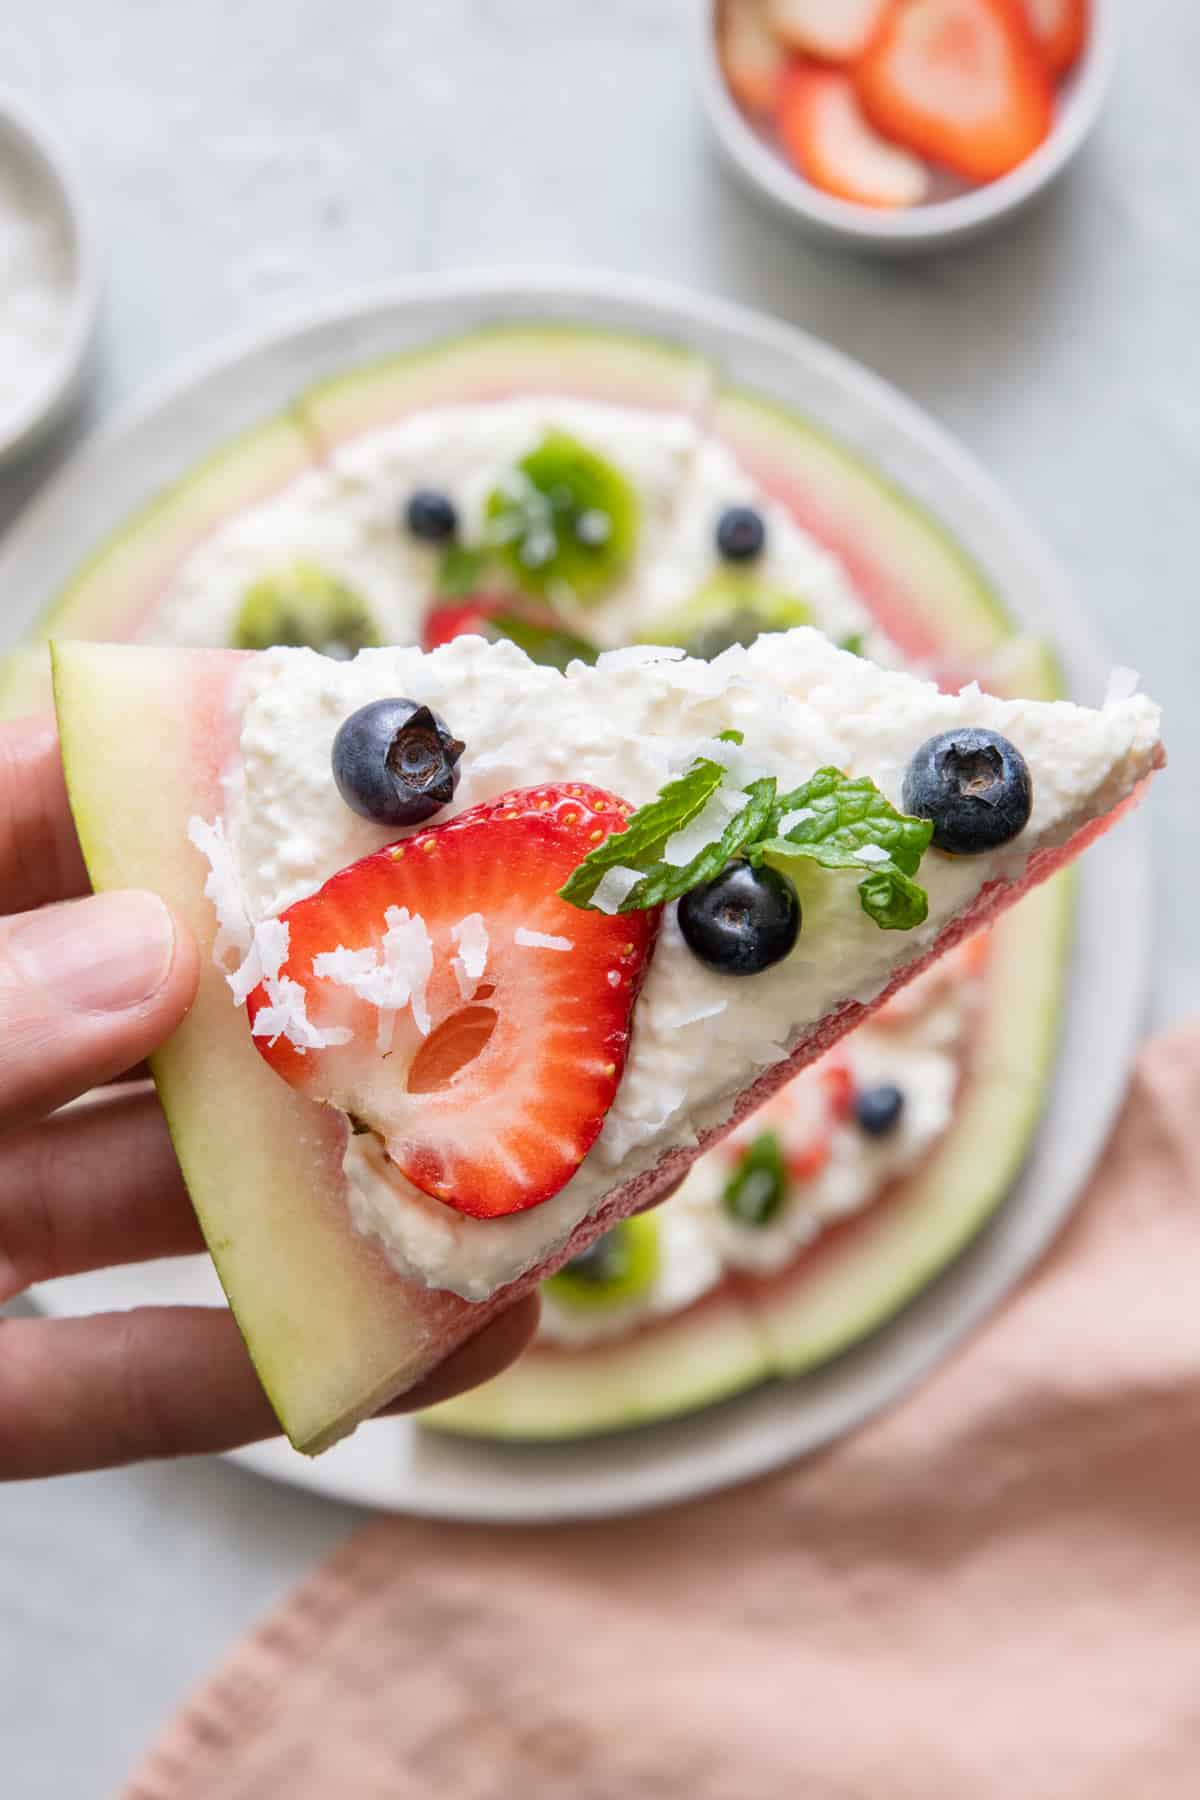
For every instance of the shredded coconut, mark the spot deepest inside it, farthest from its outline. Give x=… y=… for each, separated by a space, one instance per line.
x=263 y=949
x=800 y=817
x=684 y=846
x=540 y=940
x=287 y=1016
x=224 y=888
x=265 y=958
x=390 y=978
x=635 y=656
x=612 y=888
x=679 y=1018
x=871 y=853
x=470 y=934
x=739 y=765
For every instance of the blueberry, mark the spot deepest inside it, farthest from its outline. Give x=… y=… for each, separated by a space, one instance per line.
x=743 y=921
x=741 y=534
x=395 y=762
x=975 y=788
x=431 y=516
x=877 y=1109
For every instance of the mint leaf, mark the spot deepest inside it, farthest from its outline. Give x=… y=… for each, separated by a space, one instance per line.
x=551 y=645
x=670 y=881
x=842 y=823
x=638 y=846
x=461 y=571
x=855 y=644
x=844 y=817
x=892 y=900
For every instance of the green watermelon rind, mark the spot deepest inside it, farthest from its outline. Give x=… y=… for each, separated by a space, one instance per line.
x=519 y=359
x=711 y=1352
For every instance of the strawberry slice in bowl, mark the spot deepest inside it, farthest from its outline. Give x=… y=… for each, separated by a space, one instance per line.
x=752 y=57
x=836 y=31
x=827 y=135
x=442 y=995
x=1060 y=29
x=960 y=82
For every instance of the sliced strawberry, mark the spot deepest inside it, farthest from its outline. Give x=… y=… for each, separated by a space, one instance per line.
x=960 y=82
x=837 y=31
x=460 y=618
x=828 y=137
x=752 y=58
x=489 y=1068
x=1060 y=28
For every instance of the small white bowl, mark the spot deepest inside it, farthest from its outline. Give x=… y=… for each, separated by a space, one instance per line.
x=24 y=142
x=938 y=224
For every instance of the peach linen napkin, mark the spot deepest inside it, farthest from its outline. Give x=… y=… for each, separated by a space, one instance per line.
x=991 y=1593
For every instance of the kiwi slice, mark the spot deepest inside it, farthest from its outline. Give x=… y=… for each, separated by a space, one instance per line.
x=734 y=607
x=301 y=606
x=758 y=1187
x=564 y=519
x=621 y=1265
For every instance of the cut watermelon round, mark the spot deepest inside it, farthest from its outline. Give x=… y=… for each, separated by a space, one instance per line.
x=925 y=591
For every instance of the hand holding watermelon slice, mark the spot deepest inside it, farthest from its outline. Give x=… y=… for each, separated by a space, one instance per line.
x=91 y=987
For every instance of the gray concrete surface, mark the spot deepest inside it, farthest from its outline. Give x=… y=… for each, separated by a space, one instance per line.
x=242 y=159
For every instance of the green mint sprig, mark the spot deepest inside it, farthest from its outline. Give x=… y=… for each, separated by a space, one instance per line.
x=641 y=843
x=848 y=824
x=669 y=881
x=844 y=823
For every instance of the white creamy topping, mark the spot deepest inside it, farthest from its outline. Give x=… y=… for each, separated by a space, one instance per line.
x=699 y=1038
x=470 y=934
x=346 y=518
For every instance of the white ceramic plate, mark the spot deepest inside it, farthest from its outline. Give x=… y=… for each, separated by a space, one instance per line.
x=391 y=1463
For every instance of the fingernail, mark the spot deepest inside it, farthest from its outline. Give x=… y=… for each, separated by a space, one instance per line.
x=106 y=954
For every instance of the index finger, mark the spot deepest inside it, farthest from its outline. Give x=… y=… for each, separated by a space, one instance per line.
x=40 y=859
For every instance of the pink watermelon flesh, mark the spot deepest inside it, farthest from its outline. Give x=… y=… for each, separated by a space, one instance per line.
x=333 y=1331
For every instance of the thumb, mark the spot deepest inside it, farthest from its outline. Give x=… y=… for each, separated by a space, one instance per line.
x=87 y=989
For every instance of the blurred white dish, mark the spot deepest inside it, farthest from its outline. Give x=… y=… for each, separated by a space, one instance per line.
x=933 y=225
x=44 y=241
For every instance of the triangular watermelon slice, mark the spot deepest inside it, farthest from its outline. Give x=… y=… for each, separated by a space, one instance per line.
x=148 y=735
